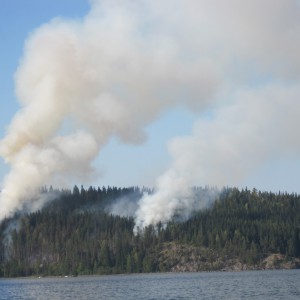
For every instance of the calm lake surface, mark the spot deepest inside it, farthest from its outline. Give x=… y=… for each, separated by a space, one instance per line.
x=283 y=284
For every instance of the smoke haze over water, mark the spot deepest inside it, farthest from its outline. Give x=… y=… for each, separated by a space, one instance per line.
x=81 y=83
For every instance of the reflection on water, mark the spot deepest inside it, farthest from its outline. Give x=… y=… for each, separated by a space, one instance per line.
x=282 y=284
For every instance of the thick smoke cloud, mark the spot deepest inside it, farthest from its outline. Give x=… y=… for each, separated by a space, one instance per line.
x=82 y=82
x=256 y=46
x=258 y=126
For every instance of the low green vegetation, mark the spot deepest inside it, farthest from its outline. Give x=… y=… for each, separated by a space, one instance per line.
x=75 y=235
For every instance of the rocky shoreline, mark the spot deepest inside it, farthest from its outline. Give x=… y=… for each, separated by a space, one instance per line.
x=185 y=258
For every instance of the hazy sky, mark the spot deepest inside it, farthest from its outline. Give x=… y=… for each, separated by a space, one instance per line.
x=180 y=128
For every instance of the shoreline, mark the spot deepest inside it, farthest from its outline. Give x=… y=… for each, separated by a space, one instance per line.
x=250 y=269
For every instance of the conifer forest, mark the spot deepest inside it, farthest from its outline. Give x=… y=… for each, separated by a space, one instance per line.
x=76 y=234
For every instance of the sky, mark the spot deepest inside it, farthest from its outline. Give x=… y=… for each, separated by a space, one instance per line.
x=235 y=142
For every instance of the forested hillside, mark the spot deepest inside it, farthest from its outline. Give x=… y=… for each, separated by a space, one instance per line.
x=76 y=234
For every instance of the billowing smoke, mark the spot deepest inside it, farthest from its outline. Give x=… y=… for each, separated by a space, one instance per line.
x=112 y=73
x=255 y=45
x=258 y=126
x=82 y=82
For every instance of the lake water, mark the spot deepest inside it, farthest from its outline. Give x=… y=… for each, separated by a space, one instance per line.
x=283 y=284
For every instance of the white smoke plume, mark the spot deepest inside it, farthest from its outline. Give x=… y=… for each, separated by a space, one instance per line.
x=115 y=71
x=81 y=82
x=258 y=113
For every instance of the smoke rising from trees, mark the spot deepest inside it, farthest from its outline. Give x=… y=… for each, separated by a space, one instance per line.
x=82 y=82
